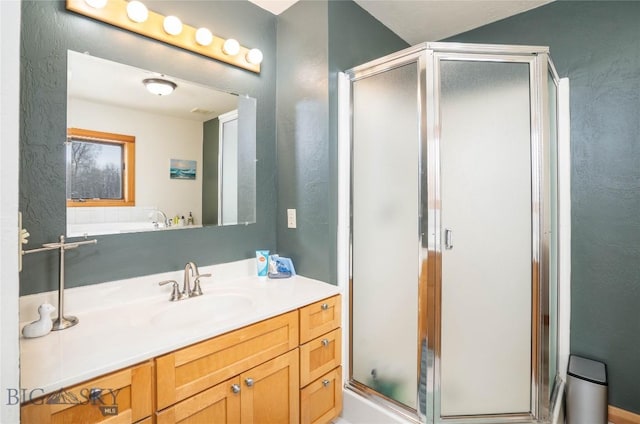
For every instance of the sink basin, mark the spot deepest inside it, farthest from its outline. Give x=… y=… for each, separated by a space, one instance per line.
x=202 y=310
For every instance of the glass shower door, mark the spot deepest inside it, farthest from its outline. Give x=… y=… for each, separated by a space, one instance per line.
x=453 y=232
x=385 y=233
x=486 y=223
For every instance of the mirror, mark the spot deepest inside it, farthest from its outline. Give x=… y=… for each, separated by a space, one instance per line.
x=194 y=152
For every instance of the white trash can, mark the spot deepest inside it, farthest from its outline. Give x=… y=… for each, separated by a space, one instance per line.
x=586 y=391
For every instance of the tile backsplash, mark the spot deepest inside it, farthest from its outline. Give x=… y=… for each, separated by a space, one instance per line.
x=109 y=220
x=100 y=215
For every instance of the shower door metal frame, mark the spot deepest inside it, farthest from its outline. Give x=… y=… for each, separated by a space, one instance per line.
x=536 y=58
x=413 y=55
x=426 y=56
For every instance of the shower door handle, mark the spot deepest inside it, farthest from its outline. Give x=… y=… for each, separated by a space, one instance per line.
x=448 y=239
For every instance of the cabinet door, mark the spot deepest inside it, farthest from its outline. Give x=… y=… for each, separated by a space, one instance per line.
x=193 y=369
x=321 y=401
x=121 y=397
x=219 y=404
x=270 y=392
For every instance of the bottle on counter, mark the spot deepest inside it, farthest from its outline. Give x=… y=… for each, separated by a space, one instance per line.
x=190 y=219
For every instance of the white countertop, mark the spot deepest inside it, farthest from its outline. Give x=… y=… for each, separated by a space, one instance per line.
x=126 y=322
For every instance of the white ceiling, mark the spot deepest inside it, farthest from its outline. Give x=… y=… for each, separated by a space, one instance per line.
x=106 y=82
x=413 y=20
x=416 y=21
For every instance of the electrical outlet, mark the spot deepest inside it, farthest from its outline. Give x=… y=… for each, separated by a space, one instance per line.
x=291 y=218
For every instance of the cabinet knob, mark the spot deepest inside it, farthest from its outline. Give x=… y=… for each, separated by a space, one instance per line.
x=235 y=388
x=95 y=394
x=248 y=381
x=325 y=383
x=325 y=342
x=324 y=306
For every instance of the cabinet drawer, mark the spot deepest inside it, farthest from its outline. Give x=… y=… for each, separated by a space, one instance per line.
x=195 y=368
x=321 y=401
x=121 y=397
x=319 y=318
x=219 y=404
x=320 y=356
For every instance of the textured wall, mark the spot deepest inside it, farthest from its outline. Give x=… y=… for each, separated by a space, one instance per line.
x=316 y=39
x=595 y=44
x=211 y=130
x=303 y=137
x=48 y=30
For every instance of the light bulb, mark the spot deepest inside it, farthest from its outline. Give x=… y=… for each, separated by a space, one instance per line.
x=204 y=36
x=137 y=11
x=96 y=4
x=231 y=47
x=172 y=25
x=254 y=56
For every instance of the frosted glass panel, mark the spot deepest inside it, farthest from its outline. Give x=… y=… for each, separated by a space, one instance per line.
x=229 y=171
x=486 y=204
x=385 y=260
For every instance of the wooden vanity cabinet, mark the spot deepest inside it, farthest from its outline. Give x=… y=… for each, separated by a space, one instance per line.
x=286 y=369
x=124 y=396
x=320 y=361
x=195 y=368
x=250 y=375
x=267 y=393
x=257 y=374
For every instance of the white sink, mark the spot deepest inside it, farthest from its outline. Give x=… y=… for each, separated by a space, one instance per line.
x=202 y=310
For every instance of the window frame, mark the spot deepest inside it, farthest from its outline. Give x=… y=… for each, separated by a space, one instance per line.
x=128 y=147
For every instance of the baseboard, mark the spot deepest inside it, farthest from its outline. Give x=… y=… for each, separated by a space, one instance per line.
x=620 y=416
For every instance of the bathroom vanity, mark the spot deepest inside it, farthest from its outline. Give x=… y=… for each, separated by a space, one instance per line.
x=246 y=351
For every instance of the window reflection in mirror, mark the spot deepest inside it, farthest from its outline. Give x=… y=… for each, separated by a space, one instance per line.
x=184 y=125
x=100 y=169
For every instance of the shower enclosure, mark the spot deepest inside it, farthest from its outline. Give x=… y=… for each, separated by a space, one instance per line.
x=452 y=231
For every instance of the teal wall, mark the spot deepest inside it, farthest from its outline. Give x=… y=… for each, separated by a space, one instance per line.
x=48 y=31
x=316 y=40
x=210 y=136
x=597 y=45
x=303 y=137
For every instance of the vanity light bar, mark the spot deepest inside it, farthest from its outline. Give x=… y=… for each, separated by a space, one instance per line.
x=114 y=13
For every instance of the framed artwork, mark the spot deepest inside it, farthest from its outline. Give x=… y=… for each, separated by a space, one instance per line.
x=181 y=169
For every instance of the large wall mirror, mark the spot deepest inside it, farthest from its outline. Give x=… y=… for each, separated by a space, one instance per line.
x=134 y=158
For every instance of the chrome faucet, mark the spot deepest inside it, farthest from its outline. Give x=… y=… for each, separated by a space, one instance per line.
x=187 y=291
x=164 y=221
x=175 y=292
